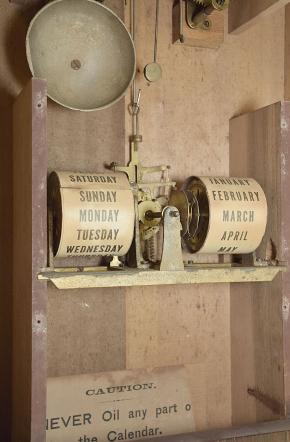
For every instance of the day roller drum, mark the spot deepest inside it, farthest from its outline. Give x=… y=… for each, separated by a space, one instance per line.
x=92 y=214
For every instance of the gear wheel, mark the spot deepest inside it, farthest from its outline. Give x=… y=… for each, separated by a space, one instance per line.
x=200 y=2
x=203 y=2
x=220 y=4
x=217 y=4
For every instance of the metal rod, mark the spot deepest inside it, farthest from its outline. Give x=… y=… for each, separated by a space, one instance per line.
x=135 y=97
x=156 y=31
x=149 y=215
x=133 y=32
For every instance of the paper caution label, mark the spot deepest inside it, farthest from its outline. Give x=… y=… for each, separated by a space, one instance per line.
x=119 y=406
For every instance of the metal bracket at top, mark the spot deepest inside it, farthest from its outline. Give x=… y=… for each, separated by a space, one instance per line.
x=198 y=12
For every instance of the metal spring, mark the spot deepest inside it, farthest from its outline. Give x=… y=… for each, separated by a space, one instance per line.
x=152 y=249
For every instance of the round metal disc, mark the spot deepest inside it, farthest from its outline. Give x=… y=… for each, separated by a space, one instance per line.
x=197 y=232
x=84 y=51
x=146 y=206
x=153 y=72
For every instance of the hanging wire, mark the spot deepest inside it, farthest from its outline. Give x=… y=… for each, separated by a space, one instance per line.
x=156 y=31
x=133 y=32
x=134 y=105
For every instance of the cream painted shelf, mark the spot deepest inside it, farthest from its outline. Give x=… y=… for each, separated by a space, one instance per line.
x=132 y=277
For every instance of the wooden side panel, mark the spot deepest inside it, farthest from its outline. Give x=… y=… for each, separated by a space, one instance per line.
x=287 y=54
x=285 y=241
x=6 y=197
x=29 y=255
x=13 y=75
x=245 y=13
x=257 y=151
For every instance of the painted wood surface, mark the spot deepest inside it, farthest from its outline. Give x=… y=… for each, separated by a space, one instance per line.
x=184 y=121
x=246 y=13
x=260 y=148
x=29 y=254
x=13 y=76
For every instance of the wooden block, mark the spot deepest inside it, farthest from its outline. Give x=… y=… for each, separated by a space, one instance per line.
x=259 y=147
x=245 y=13
x=182 y=33
x=29 y=255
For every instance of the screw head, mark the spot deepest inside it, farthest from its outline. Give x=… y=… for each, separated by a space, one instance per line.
x=76 y=64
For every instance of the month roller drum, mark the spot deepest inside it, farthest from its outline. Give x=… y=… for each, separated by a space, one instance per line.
x=221 y=215
x=92 y=214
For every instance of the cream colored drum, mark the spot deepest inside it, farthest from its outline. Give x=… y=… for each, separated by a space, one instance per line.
x=93 y=214
x=221 y=215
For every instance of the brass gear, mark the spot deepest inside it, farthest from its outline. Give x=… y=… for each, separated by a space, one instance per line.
x=203 y=2
x=220 y=4
x=217 y=4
